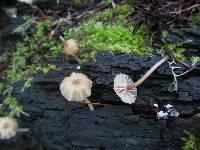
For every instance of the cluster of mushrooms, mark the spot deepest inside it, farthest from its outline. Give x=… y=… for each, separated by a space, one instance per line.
x=77 y=87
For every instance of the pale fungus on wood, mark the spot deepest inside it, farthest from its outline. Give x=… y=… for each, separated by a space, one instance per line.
x=9 y=128
x=71 y=49
x=120 y=83
x=126 y=89
x=77 y=87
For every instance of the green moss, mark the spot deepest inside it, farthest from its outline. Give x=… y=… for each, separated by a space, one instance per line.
x=33 y=50
x=114 y=15
x=108 y=30
x=2 y=86
x=176 y=48
x=191 y=142
x=29 y=58
x=14 y=106
x=195 y=19
x=96 y=36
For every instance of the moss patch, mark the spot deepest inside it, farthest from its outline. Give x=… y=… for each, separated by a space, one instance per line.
x=96 y=36
x=109 y=31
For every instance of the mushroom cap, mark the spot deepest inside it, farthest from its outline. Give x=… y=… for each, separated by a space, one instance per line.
x=76 y=87
x=71 y=47
x=120 y=83
x=8 y=127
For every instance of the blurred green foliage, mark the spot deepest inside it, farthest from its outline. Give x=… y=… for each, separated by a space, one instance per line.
x=176 y=48
x=29 y=58
x=191 y=142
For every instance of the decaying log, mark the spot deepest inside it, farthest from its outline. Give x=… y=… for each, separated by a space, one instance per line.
x=56 y=124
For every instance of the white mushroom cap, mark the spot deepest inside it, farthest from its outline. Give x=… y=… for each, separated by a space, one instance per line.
x=120 y=83
x=8 y=127
x=71 y=47
x=76 y=87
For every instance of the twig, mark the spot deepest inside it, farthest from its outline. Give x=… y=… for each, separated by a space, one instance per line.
x=187 y=9
x=53 y=31
x=150 y=14
x=57 y=26
x=38 y=9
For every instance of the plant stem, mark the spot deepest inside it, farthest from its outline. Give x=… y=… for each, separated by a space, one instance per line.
x=100 y=104
x=148 y=73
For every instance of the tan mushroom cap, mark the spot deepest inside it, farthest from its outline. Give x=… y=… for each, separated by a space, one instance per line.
x=8 y=127
x=76 y=87
x=120 y=83
x=71 y=47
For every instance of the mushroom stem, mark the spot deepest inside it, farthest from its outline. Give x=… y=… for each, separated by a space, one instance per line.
x=100 y=104
x=78 y=59
x=89 y=104
x=62 y=39
x=23 y=130
x=148 y=73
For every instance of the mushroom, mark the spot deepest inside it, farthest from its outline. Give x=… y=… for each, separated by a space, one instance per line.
x=71 y=49
x=126 y=95
x=77 y=87
x=126 y=89
x=9 y=128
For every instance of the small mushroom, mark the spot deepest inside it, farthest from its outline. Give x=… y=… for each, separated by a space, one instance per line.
x=9 y=128
x=126 y=95
x=126 y=89
x=77 y=87
x=71 y=49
